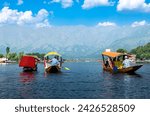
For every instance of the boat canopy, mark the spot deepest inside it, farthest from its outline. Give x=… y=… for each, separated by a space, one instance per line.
x=52 y=53
x=32 y=56
x=28 y=61
x=112 y=54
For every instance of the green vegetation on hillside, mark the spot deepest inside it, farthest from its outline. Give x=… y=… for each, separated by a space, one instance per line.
x=142 y=52
x=12 y=56
x=41 y=56
x=1 y=55
x=122 y=50
x=17 y=56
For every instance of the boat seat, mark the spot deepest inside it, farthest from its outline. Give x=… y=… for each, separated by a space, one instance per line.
x=118 y=64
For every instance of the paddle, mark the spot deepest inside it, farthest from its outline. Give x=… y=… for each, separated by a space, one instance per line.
x=66 y=68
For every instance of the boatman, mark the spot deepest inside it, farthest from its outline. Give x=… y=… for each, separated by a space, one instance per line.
x=126 y=62
x=54 y=61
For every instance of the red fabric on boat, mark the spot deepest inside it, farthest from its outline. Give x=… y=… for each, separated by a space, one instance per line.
x=27 y=61
x=44 y=63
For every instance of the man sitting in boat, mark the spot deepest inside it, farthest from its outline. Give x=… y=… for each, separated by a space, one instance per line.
x=54 y=61
x=127 y=62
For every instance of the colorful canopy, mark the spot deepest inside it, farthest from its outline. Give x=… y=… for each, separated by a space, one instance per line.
x=33 y=57
x=111 y=54
x=28 y=61
x=52 y=53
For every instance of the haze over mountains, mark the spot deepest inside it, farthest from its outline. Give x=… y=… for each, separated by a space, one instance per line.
x=72 y=41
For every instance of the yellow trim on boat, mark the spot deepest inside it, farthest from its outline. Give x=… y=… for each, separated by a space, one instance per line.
x=52 y=53
x=111 y=54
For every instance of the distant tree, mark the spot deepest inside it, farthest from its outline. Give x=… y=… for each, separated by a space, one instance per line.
x=13 y=56
x=1 y=55
x=142 y=52
x=7 y=50
x=20 y=55
x=39 y=55
x=122 y=50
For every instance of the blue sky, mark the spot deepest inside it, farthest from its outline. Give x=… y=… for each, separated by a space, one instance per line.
x=77 y=12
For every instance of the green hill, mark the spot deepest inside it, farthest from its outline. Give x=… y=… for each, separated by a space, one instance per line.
x=142 y=52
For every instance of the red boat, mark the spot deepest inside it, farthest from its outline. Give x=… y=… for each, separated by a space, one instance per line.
x=29 y=63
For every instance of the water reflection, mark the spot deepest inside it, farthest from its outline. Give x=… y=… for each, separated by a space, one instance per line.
x=84 y=80
x=135 y=75
x=118 y=75
x=27 y=77
x=52 y=74
x=119 y=85
x=26 y=88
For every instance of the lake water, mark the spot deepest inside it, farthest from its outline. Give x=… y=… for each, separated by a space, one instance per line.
x=85 y=80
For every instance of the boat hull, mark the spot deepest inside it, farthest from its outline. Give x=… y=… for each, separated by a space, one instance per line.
x=131 y=69
x=28 y=69
x=53 y=69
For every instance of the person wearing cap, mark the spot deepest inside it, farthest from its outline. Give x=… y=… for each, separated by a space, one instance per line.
x=126 y=62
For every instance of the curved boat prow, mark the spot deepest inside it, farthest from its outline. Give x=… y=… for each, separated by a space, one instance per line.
x=136 y=67
x=53 y=69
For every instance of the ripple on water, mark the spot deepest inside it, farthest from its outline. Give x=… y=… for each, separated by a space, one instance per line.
x=84 y=80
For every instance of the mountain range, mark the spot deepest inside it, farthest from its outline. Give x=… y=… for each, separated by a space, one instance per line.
x=72 y=41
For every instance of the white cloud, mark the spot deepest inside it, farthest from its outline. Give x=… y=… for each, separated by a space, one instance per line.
x=140 y=23
x=20 y=2
x=105 y=24
x=45 y=23
x=9 y=16
x=133 y=5
x=64 y=3
x=25 y=18
x=42 y=14
x=94 y=3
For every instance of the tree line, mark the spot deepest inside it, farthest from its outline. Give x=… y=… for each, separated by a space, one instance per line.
x=17 y=56
x=141 y=52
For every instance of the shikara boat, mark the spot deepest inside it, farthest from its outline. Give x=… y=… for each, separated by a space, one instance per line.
x=29 y=63
x=52 y=68
x=113 y=62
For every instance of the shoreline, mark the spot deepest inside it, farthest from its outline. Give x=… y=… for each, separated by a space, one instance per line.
x=87 y=61
x=143 y=61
